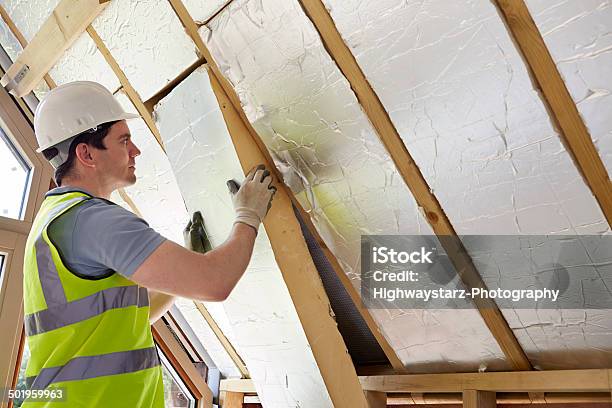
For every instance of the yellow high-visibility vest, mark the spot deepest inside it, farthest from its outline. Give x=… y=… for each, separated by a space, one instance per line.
x=90 y=337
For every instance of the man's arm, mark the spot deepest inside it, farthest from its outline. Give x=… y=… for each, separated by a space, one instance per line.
x=211 y=276
x=159 y=304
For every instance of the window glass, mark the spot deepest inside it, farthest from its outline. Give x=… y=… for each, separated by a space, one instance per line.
x=21 y=383
x=176 y=393
x=14 y=173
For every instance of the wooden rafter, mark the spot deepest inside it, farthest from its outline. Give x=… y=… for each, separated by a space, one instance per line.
x=125 y=84
x=413 y=178
x=22 y=41
x=68 y=21
x=192 y=30
x=299 y=272
x=561 y=105
x=597 y=380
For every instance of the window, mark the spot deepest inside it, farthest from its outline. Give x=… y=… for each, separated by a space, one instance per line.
x=15 y=176
x=175 y=391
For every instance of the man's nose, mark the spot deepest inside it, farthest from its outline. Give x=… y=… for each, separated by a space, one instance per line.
x=134 y=151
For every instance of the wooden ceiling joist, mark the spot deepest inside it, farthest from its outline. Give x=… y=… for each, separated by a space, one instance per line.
x=413 y=178
x=22 y=41
x=125 y=84
x=68 y=21
x=559 y=101
x=192 y=30
x=596 y=380
x=298 y=270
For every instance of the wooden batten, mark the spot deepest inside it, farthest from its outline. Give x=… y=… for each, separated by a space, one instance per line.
x=68 y=21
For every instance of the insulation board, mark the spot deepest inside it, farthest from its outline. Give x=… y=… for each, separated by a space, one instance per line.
x=148 y=41
x=305 y=112
x=265 y=328
x=156 y=192
x=202 y=10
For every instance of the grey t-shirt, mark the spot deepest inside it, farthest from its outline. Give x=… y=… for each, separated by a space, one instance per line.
x=98 y=237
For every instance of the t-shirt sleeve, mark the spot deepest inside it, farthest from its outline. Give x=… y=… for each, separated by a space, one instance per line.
x=108 y=235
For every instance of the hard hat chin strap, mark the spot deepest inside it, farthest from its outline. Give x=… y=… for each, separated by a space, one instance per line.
x=58 y=154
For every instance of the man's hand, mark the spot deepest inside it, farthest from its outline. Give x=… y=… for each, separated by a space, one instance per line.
x=254 y=198
x=196 y=238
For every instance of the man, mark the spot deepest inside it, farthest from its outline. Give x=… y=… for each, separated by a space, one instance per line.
x=95 y=275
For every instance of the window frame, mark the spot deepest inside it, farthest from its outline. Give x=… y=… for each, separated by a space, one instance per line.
x=13 y=236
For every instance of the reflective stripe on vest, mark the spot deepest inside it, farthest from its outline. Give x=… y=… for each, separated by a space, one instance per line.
x=47 y=271
x=81 y=330
x=81 y=368
x=85 y=308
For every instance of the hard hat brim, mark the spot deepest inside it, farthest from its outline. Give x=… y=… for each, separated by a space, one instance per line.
x=124 y=116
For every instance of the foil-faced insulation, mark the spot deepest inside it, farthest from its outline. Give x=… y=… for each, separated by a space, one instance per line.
x=156 y=193
x=82 y=61
x=323 y=144
x=202 y=11
x=263 y=324
x=578 y=36
x=148 y=41
x=461 y=98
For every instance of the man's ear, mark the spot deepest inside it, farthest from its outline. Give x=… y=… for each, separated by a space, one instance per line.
x=85 y=155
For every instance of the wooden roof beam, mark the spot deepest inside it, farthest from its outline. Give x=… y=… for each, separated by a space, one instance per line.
x=413 y=178
x=298 y=270
x=68 y=21
x=560 y=104
x=22 y=41
x=596 y=380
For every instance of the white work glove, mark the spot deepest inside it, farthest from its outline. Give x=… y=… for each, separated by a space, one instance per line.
x=254 y=198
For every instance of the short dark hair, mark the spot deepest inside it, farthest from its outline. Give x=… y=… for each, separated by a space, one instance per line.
x=91 y=137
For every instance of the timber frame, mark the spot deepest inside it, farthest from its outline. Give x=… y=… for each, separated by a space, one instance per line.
x=472 y=389
x=484 y=390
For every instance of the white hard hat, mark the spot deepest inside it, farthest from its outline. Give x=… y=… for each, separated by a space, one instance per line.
x=73 y=108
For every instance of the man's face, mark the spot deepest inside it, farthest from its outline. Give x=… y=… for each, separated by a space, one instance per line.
x=118 y=162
